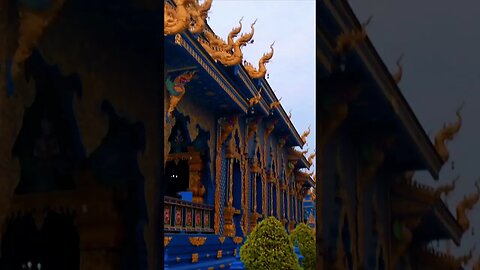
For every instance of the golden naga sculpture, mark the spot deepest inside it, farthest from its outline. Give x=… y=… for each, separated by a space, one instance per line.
x=397 y=77
x=229 y=54
x=311 y=157
x=305 y=135
x=187 y=15
x=446 y=189
x=256 y=99
x=32 y=24
x=465 y=205
x=176 y=89
x=348 y=40
x=262 y=70
x=446 y=134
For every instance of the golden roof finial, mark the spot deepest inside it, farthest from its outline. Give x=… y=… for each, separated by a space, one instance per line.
x=262 y=70
x=447 y=188
x=233 y=34
x=275 y=104
x=255 y=99
x=305 y=135
x=465 y=205
x=199 y=14
x=446 y=134
x=348 y=40
x=311 y=157
x=397 y=77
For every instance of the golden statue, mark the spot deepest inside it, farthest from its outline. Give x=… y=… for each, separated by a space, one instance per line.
x=275 y=104
x=350 y=40
x=397 y=77
x=446 y=134
x=187 y=13
x=446 y=189
x=305 y=135
x=176 y=89
x=465 y=205
x=255 y=99
x=262 y=70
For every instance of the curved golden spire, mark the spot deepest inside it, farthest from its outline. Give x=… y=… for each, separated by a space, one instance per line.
x=262 y=70
x=465 y=205
x=246 y=37
x=446 y=189
x=446 y=134
x=305 y=135
x=348 y=40
x=397 y=77
x=234 y=33
x=311 y=157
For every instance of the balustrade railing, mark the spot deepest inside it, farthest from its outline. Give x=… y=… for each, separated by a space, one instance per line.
x=184 y=216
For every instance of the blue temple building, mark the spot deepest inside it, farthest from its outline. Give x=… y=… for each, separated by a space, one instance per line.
x=309 y=209
x=230 y=147
x=370 y=213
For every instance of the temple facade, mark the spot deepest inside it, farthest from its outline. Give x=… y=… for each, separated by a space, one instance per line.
x=370 y=213
x=232 y=155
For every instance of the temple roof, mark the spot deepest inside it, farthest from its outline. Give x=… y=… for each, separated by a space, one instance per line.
x=381 y=105
x=417 y=201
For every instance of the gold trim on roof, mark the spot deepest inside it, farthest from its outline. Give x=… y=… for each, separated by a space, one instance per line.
x=305 y=135
x=465 y=205
x=262 y=70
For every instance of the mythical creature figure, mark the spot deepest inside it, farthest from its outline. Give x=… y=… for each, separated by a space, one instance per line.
x=446 y=134
x=256 y=99
x=465 y=205
x=305 y=135
x=229 y=54
x=176 y=89
x=275 y=104
x=348 y=40
x=397 y=77
x=262 y=70
x=446 y=189
x=311 y=157
x=227 y=125
x=185 y=14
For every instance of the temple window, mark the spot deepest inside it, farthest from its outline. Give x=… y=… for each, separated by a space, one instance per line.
x=177 y=178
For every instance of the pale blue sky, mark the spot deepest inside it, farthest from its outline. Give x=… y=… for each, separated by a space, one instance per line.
x=291 y=24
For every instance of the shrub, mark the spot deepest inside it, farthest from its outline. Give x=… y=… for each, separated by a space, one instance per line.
x=268 y=247
x=305 y=238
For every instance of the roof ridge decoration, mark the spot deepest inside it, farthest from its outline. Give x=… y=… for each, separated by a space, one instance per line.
x=305 y=135
x=262 y=70
x=185 y=15
x=228 y=53
x=275 y=104
x=255 y=99
x=312 y=156
x=446 y=134
x=349 y=40
x=397 y=77
x=34 y=19
x=447 y=188
x=465 y=205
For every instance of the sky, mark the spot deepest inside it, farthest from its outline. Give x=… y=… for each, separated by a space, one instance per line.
x=291 y=25
x=440 y=41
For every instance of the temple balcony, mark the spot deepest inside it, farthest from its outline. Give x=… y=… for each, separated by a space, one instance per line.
x=185 y=216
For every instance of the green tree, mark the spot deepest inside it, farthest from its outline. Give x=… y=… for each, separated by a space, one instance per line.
x=268 y=247
x=305 y=238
